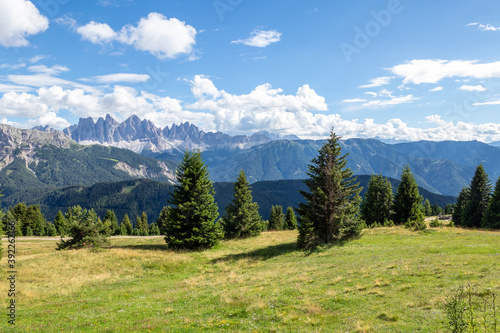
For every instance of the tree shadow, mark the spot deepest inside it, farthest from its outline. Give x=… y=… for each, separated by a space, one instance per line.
x=261 y=254
x=148 y=247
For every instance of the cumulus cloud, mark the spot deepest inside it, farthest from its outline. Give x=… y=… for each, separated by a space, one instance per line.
x=122 y=77
x=433 y=71
x=18 y=20
x=97 y=33
x=165 y=38
x=260 y=38
x=377 y=82
x=472 y=88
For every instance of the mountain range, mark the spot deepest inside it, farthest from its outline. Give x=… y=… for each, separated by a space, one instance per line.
x=107 y=151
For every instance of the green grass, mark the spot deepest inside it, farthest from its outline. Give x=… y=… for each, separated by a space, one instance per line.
x=390 y=280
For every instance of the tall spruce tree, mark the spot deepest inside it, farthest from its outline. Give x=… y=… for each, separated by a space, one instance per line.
x=128 y=225
x=329 y=214
x=428 y=209
x=162 y=220
x=192 y=220
x=112 y=221
x=241 y=218
x=479 y=198
x=60 y=223
x=408 y=201
x=35 y=219
x=376 y=208
x=142 y=224
x=290 y=219
x=458 y=212
x=277 y=219
x=491 y=218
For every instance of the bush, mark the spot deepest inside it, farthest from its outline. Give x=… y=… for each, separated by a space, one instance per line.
x=435 y=223
x=85 y=230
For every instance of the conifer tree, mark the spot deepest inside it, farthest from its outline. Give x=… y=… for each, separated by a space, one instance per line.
x=162 y=220
x=242 y=217
x=377 y=206
x=192 y=222
x=123 y=229
x=277 y=219
x=85 y=230
x=329 y=214
x=462 y=200
x=143 y=230
x=111 y=219
x=491 y=218
x=408 y=201
x=428 y=209
x=479 y=198
x=290 y=219
x=34 y=218
x=19 y=212
x=128 y=225
x=60 y=223
x=50 y=229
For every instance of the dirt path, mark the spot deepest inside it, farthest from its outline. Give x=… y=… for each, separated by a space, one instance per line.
x=66 y=238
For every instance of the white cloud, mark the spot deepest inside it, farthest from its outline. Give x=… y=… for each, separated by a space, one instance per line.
x=371 y=93
x=37 y=58
x=472 y=88
x=9 y=87
x=42 y=69
x=263 y=108
x=49 y=118
x=438 y=88
x=67 y=21
x=45 y=80
x=18 y=20
x=97 y=33
x=377 y=82
x=122 y=77
x=493 y=102
x=260 y=38
x=165 y=38
x=484 y=27
x=354 y=100
x=392 y=101
x=162 y=37
x=433 y=71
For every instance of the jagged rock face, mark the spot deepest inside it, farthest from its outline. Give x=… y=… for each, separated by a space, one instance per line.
x=138 y=135
x=28 y=139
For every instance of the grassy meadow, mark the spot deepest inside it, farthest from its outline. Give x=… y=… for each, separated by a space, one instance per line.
x=390 y=280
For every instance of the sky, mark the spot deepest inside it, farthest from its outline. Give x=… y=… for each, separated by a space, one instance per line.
x=392 y=69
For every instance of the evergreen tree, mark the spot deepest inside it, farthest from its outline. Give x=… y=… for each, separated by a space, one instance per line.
x=491 y=218
x=462 y=200
x=123 y=229
x=242 y=217
x=111 y=219
x=19 y=212
x=448 y=209
x=407 y=196
x=8 y=220
x=290 y=219
x=60 y=223
x=377 y=206
x=50 y=229
x=162 y=220
x=329 y=214
x=277 y=219
x=85 y=230
x=29 y=232
x=192 y=223
x=128 y=225
x=143 y=230
x=34 y=218
x=479 y=198
x=428 y=211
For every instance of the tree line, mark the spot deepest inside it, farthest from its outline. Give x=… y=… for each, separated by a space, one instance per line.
x=332 y=213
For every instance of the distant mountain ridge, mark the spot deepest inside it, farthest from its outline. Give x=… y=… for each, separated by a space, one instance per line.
x=143 y=136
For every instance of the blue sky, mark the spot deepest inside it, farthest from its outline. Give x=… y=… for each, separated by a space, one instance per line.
x=405 y=70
